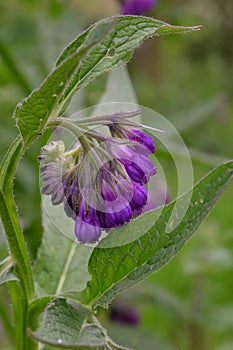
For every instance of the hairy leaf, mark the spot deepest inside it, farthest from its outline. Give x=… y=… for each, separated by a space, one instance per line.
x=106 y=45
x=115 y=269
x=67 y=324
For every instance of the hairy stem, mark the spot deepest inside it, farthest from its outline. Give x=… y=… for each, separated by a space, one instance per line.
x=22 y=292
x=9 y=215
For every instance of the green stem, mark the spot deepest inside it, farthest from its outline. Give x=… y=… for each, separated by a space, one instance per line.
x=110 y=118
x=20 y=309
x=20 y=306
x=10 y=218
x=17 y=244
x=75 y=130
x=22 y=292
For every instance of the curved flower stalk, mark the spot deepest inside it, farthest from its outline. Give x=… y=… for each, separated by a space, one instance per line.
x=101 y=182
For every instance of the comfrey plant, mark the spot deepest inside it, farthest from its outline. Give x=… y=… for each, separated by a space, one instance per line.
x=100 y=182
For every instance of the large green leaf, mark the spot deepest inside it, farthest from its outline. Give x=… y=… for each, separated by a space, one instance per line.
x=63 y=323
x=67 y=324
x=122 y=34
x=61 y=263
x=114 y=269
x=106 y=45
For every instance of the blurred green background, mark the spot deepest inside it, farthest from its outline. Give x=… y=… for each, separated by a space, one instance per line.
x=187 y=305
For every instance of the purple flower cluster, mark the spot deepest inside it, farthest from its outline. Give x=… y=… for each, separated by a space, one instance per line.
x=136 y=7
x=101 y=182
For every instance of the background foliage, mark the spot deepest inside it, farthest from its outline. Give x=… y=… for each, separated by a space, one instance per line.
x=188 y=304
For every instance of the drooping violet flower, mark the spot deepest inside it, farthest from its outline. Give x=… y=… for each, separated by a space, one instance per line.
x=139 y=169
x=158 y=195
x=101 y=182
x=124 y=314
x=117 y=209
x=135 y=156
x=139 y=198
x=87 y=225
x=142 y=138
x=136 y=7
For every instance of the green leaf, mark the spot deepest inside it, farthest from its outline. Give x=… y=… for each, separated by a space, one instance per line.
x=56 y=269
x=67 y=324
x=19 y=303
x=110 y=346
x=115 y=269
x=125 y=34
x=105 y=45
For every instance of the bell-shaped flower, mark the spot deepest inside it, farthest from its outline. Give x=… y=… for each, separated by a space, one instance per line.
x=87 y=225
